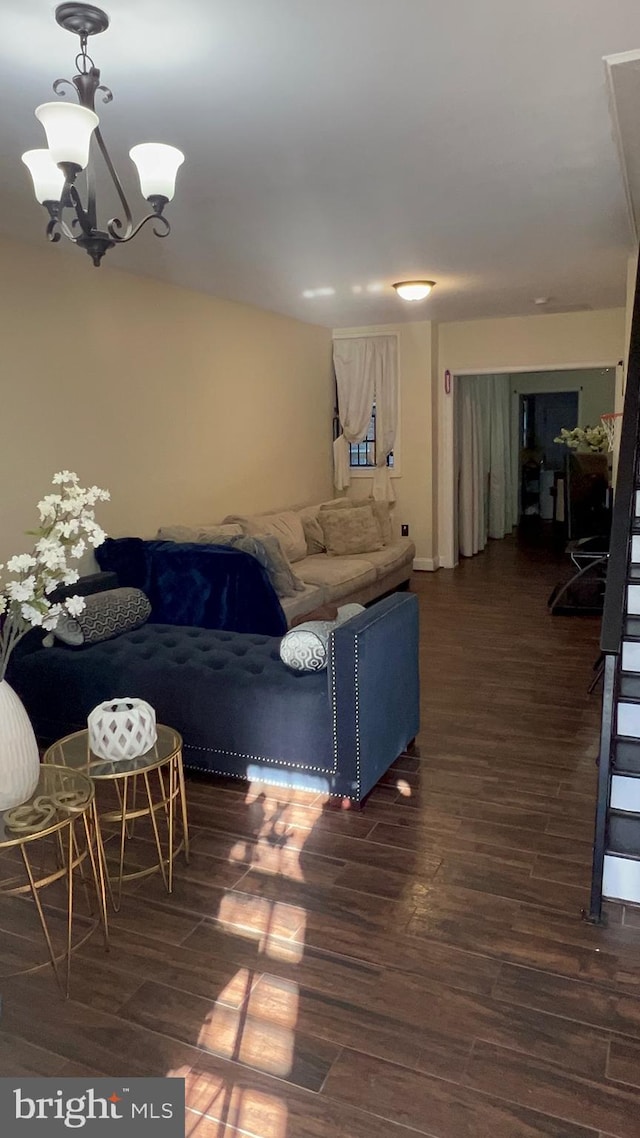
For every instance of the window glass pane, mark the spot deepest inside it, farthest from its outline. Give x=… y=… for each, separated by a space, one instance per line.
x=364 y=453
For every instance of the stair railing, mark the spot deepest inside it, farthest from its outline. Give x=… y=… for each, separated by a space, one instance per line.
x=613 y=615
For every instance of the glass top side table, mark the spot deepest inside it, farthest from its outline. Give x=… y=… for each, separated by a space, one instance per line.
x=160 y=775
x=62 y=799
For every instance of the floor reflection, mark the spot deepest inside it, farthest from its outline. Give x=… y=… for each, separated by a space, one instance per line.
x=253 y=1020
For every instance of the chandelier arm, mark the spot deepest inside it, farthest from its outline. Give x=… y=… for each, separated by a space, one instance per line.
x=66 y=230
x=53 y=230
x=60 y=84
x=82 y=217
x=57 y=226
x=107 y=93
x=92 y=209
x=115 y=224
x=97 y=134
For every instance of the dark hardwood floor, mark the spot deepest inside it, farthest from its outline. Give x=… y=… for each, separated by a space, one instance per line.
x=418 y=967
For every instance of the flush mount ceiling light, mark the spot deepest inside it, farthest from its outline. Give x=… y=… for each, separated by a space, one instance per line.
x=413 y=290
x=73 y=131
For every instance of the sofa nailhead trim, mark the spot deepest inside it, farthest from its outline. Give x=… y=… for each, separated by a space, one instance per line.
x=268 y=781
x=259 y=758
x=334 y=706
x=357 y=710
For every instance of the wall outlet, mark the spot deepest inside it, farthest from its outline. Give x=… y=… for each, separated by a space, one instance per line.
x=404 y=530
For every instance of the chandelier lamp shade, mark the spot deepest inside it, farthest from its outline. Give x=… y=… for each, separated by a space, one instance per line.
x=413 y=290
x=63 y=173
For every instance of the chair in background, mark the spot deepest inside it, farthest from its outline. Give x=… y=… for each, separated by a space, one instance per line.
x=588 y=522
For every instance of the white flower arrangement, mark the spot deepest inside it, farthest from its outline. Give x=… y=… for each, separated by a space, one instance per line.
x=590 y=438
x=67 y=528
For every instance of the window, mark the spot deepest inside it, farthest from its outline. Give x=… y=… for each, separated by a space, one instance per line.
x=366 y=369
x=363 y=455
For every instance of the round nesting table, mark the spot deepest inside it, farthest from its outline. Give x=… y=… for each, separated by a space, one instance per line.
x=63 y=800
x=148 y=786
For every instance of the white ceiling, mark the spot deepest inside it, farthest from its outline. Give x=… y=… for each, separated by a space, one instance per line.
x=346 y=144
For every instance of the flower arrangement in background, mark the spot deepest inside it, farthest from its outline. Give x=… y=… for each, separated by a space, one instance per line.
x=584 y=438
x=67 y=529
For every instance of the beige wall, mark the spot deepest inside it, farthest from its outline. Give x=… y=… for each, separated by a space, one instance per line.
x=184 y=406
x=596 y=388
x=570 y=339
x=413 y=482
x=577 y=339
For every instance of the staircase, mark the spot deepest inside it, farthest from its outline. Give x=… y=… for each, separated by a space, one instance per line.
x=616 y=855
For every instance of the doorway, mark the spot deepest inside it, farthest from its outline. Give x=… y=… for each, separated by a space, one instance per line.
x=579 y=397
x=542 y=415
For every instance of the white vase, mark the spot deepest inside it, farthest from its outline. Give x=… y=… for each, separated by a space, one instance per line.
x=19 y=755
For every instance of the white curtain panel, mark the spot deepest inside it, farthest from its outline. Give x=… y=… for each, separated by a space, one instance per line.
x=386 y=395
x=485 y=478
x=366 y=369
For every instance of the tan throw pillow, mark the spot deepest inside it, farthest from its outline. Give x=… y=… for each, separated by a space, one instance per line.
x=286 y=526
x=177 y=533
x=203 y=535
x=347 y=531
x=282 y=577
x=312 y=532
x=208 y=534
x=380 y=512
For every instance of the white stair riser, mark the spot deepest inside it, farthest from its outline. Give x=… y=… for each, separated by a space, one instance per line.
x=625 y=793
x=621 y=879
x=633 y=600
x=628 y=720
x=630 y=656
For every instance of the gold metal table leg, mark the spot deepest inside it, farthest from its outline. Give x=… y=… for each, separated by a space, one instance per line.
x=154 y=823
x=171 y=823
x=70 y=861
x=183 y=804
x=123 y=839
x=98 y=868
x=43 y=921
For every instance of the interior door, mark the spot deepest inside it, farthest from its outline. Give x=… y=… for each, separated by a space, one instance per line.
x=554 y=410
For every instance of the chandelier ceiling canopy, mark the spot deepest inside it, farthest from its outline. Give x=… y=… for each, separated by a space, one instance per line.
x=73 y=133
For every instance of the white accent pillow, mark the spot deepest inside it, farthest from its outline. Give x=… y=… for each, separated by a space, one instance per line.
x=305 y=648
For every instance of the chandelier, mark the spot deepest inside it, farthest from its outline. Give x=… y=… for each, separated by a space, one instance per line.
x=73 y=131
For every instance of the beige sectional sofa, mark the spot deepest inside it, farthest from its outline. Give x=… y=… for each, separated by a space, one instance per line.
x=320 y=573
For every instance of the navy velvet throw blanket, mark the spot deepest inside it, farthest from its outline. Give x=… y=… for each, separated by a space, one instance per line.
x=204 y=586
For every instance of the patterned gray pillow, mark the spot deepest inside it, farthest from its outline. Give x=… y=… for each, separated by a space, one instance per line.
x=104 y=616
x=305 y=648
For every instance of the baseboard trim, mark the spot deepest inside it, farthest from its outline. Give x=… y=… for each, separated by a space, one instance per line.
x=426 y=564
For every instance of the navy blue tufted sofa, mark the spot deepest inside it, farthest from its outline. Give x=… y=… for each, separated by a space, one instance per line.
x=240 y=710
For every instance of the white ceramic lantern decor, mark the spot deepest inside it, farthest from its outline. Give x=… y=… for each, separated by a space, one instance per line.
x=122 y=728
